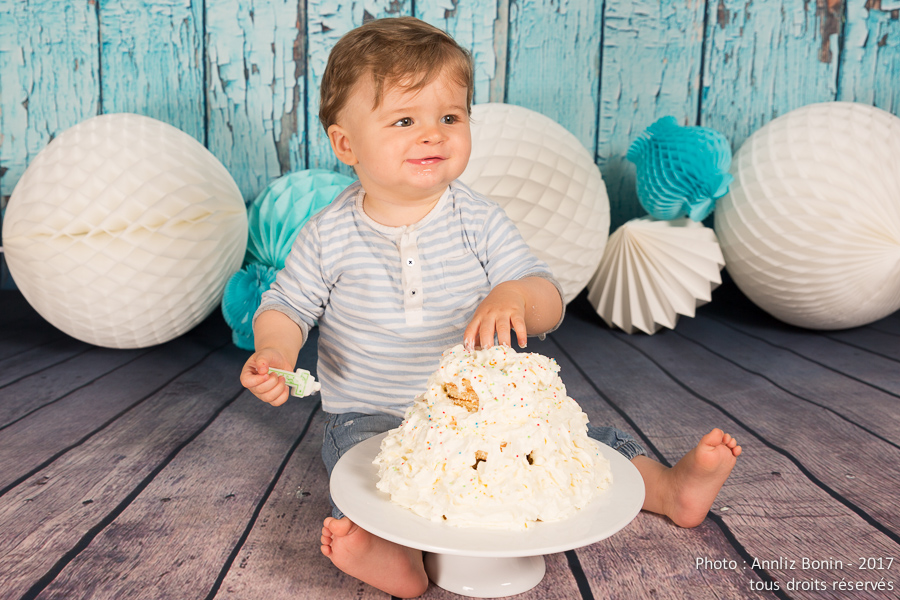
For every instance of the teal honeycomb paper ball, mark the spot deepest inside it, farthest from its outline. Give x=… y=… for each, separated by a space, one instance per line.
x=275 y=218
x=242 y=297
x=681 y=171
x=281 y=210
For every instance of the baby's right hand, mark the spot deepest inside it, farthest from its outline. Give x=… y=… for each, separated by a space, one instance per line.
x=267 y=387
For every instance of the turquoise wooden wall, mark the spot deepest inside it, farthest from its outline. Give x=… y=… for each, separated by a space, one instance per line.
x=242 y=76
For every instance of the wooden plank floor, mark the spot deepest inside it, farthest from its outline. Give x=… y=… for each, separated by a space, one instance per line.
x=152 y=474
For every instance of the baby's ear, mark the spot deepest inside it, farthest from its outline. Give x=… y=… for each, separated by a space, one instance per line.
x=340 y=143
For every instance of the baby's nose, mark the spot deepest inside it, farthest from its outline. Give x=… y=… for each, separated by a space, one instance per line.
x=432 y=135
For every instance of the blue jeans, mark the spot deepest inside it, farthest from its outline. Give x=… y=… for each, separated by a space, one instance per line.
x=343 y=431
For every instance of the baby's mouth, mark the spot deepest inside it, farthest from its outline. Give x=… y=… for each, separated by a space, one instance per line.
x=428 y=160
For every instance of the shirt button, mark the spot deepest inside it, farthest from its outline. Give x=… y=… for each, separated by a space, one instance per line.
x=413 y=292
x=410 y=262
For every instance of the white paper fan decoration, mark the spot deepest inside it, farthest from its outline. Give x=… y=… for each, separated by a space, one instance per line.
x=652 y=271
x=123 y=231
x=811 y=225
x=547 y=183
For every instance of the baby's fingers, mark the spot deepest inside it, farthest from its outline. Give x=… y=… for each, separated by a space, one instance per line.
x=501 y=326
x=518 y=324
x=254 y=374
x=470 y=337
x=487 y=328
x=279 y=395
x=273 y=391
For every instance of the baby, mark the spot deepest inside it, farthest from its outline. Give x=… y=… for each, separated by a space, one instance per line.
x=407 y=262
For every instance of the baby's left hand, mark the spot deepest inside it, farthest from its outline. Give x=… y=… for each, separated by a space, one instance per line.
x=500 y=313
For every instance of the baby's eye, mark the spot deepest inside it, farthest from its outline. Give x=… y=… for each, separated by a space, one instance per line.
x=404 y=122
x=449 y=119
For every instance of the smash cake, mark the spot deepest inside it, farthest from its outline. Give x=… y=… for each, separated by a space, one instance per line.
x=493 y=442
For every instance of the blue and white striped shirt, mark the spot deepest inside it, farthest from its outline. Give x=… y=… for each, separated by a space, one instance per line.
x=390 y=300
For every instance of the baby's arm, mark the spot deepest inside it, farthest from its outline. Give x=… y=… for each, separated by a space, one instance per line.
x=528 y=305
x=278 y=341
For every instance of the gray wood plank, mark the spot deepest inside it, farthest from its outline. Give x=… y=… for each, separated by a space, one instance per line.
x=829 y=447
x=770 y=504
x=889 y=324
x=656 y=559
x=45 y=517
x=280 y=558
x=26 y=363
x=43 y=434
x=733 y=309
x=873 y=369
x=16 y=314
x=870 y=339
x=25 y=353
x=173 y=539
x=23 y=330
x=643 y=560
x=44 y=376
x=860 y=403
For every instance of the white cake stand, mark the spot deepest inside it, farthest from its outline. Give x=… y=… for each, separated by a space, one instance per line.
x=482 y=563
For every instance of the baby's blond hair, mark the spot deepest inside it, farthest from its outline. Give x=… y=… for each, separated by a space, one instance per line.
x=402 y=51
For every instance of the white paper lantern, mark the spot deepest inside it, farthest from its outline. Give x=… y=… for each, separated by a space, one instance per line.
x=123 y=231
x=547 y=183
x=810 y=229
x=652 y=271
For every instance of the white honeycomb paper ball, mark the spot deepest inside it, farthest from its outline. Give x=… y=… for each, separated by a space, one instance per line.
x=810 y=228
x=123 y=231
x=547 y=183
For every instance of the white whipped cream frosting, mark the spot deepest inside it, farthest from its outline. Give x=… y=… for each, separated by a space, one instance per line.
x=540 y=464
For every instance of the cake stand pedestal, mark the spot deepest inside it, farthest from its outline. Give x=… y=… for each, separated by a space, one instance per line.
x=482 y=563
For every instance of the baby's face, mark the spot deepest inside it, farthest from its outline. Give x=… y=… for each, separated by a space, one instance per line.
x=413 y=144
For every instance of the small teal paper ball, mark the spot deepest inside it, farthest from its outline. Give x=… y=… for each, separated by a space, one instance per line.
x=680 y=170
x=281 y=210
x=243 y=293
x=275 y=218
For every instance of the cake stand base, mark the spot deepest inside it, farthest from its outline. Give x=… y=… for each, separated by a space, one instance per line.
x=484 y=577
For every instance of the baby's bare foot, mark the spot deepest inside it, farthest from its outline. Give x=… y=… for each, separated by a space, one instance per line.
x=699 y=476
x=685 y=492
x=391 y=568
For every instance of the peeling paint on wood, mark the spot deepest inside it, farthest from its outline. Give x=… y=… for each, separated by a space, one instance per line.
x=891 y=6
x=764 y=62
x=501 y=49
x=651 y=68
x=256 y=72
x=870 y=60
x=830 y=13
x=554 y=62
x=49 y=77
x=472 y=25
x=151 y=56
